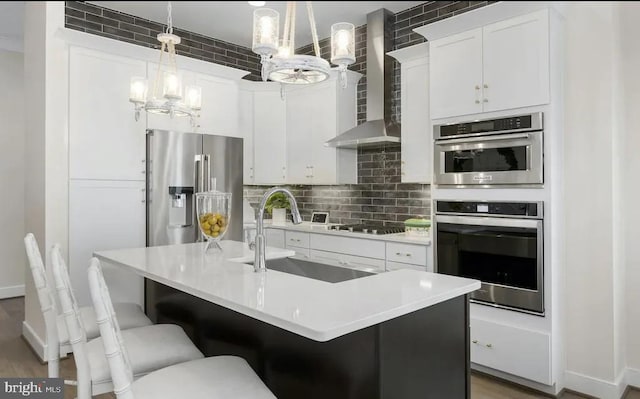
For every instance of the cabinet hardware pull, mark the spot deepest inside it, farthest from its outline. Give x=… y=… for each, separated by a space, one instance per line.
x=486 y=86
x=477 y=87
x=475 y=341
x=477 y=101
x=486 y=100
x=398 y=253
x=489 y=346
x=477 y=94
x=144 y=160
x=408 y=254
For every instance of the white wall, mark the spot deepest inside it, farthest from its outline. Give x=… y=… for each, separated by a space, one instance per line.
x=12 y=134
x=594 y=335
x=630 y=65
x=603 y=220
x=46 y=195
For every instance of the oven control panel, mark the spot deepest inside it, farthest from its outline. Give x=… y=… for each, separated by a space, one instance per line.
x=493 y=208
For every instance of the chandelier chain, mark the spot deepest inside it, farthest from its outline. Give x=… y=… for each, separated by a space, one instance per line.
x=169 y=19
x=314 y=32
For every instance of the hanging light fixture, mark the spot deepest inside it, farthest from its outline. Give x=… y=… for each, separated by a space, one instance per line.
x=166 y=93
x=278 y=58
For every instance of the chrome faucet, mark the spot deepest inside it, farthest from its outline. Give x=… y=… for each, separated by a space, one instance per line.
x=259 y=262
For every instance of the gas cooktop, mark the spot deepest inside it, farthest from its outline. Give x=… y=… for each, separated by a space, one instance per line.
x=369 y=228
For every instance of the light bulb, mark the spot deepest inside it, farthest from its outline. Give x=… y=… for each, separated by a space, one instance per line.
x=138 y=90
x=193 y=97
x=172 y=87
x=266 y=29
x=343 y=38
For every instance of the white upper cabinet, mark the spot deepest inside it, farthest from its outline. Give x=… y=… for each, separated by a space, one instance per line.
x=316 y=114
x=245 y=130
x=501 y=66
x=286 y=144
x=416 y=133
x=220 y=106
x=456 y=74
x=105 y=141
x=516 y=62
x=269 y=136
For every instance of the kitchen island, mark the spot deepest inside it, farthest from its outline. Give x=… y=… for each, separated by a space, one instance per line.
x=399 y=334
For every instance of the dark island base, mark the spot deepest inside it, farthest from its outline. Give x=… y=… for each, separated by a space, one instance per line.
x=424 y=354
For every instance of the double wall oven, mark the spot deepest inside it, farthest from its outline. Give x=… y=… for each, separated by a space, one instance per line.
x=503 y=151
x=499 y=243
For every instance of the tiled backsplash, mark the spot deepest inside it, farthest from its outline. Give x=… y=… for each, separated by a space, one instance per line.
x=379 y=197
x=101 y=21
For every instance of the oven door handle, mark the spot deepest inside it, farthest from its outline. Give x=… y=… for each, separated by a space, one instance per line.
x=489 y=221
x=485 y=138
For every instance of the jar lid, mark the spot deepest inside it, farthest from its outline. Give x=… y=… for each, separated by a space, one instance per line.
x=417 y=222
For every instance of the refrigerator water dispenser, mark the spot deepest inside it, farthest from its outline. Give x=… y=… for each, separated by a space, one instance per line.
x=180 y=206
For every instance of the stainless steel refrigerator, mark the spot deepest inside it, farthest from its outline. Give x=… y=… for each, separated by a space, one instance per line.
x=179 y=165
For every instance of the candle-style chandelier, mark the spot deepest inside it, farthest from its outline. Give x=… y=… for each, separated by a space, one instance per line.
x=278 y=58
x=166 y=93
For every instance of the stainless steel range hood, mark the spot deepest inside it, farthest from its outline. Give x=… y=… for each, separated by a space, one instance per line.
x=379 y=129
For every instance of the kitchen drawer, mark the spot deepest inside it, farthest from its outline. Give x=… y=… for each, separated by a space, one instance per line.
x=398 y=266
x=297 y=239
x=349 y=246
x=514 y=350
x=349 y=261
x=302 y=253
x=407 y=253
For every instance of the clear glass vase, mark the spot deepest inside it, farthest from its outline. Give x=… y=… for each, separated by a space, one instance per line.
x=214 y=212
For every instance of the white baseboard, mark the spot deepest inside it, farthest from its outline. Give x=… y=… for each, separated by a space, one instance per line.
x=11 y=292
x=632 y=377
x=547 y=389
x=596 y=387
x=38 y=346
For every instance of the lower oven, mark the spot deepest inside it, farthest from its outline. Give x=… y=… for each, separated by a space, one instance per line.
x=498 y=243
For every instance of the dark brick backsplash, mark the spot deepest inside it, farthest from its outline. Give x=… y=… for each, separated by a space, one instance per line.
x=373 y=200
x=379 y=196
x=101 y=21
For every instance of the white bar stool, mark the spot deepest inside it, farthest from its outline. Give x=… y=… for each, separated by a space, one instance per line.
x=130 y=313
x=218 y=377
x=152 y=347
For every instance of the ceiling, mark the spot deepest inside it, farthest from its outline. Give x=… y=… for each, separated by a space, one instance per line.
x=231 y=21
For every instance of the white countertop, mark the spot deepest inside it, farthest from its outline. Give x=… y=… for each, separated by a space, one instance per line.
x=309 y=227
x=314 y=309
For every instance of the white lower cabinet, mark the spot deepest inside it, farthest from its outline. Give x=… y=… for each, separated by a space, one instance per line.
x=350 y=261
x=299 y=242
x=513 y=350
x=390 y=266
x=274 y=238
x=105 y=215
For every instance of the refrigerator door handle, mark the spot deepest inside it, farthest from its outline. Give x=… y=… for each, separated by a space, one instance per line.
x=207 y=172
x=198 y=173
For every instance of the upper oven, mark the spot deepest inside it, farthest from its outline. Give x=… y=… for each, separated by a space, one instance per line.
x=504 y=151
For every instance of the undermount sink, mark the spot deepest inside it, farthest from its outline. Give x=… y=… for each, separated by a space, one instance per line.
x=314 y=270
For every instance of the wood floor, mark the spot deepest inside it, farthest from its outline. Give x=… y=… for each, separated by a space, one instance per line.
x=17 y=360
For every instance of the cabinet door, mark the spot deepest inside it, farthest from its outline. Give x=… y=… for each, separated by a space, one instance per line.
x=269 y=138
x=105 y=140
x=456 y=74
x=299 y=135
x=220 y=106
x=245 y=129
x=162 y=121
x=322 y=103
x=105 y=215
x=516 y=62
x=416 y=123
x=274 y=238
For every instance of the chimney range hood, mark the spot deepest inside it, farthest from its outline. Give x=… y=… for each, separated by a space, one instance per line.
x=379 y=129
